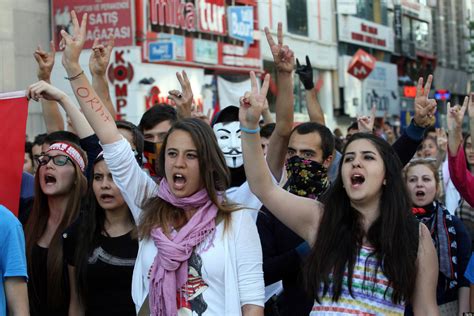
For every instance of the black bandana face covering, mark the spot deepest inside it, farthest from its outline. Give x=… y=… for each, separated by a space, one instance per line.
x=306 y=177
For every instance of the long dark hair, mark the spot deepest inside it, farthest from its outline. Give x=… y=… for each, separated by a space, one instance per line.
x=92 y=227
x=213 y=172
x=37 y=223
x=393 y=235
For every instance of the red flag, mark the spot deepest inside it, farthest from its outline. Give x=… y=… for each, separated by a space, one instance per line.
x=13 y=114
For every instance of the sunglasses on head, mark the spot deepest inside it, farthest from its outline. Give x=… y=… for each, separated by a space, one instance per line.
x=58 y=160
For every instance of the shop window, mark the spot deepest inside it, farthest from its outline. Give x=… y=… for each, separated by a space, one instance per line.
x=421 y=35
x=297 y=17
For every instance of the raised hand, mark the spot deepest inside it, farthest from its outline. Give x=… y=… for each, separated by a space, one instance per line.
x=470 y=108
x=72 y=43
x=253 y=102
x=283 y=56
x=183 y=99
x=455 y=115
x=305 y=72
x=366 y=123
x=442 y=139
x=45 y=62
x=204 y=117
x=425 y=108
x=44 y=90
x=100 y=57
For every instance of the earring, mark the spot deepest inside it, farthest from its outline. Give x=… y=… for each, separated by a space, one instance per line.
x=384 y=182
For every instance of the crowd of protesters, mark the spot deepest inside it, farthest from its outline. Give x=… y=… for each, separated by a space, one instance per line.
x=235 y=215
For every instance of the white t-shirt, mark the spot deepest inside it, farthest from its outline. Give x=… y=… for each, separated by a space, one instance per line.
x=231 y=269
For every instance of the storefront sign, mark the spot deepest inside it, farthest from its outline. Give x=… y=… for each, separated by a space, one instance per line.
x=365 y=33
x=380 y=88
x=173 y=13
x=361 y=64
x=208 y=15
x=204 y=17
x=240 y=20
x=235 y=56
x=160 y=51
x=120 y=74
x=205 y=51
x=211 y=16
x=347 y=6
x=105 y=18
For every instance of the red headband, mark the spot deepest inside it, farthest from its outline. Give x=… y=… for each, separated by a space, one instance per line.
x=71 y=152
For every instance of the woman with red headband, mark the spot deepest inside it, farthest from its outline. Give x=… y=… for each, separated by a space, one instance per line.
x=59 y=186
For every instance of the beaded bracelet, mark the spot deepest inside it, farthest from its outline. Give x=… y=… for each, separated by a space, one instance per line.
x=74 y=77
x=249 y=131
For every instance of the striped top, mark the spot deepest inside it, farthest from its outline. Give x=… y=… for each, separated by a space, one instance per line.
x=368 y=289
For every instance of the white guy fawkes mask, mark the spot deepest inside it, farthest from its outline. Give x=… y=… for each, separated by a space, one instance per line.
x=228 y=138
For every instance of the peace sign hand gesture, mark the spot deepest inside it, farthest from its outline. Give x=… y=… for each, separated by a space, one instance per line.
x=253 y=102
x=183 y=99
x=283 y=56
x=425 y=108
x=72 y=44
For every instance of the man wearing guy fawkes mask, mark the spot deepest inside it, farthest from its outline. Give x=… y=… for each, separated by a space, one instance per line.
x=226 y=126
x=310 y=149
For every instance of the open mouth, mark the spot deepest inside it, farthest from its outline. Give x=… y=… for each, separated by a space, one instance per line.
x=420 y=194
x=49 y=179
x=179 y=180
x=106 y=197
x=357 y=179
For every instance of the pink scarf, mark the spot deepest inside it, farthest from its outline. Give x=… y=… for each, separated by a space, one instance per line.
x=170 y=268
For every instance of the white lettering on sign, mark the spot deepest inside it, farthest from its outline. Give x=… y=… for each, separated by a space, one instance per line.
x=233 y=50
x=103 y=18
x=105 y=33
x=366 y=59
x=211 y=17
x=360 y=70
x=241 y=29
x=241 y=61
x=173 y=13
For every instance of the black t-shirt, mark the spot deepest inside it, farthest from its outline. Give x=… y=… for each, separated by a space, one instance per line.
x=38 y=285
x=109 y=273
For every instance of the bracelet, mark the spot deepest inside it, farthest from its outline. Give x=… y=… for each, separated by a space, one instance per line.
x=74 y=77
x=249 y=131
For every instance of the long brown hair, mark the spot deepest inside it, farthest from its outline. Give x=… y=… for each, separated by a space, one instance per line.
x=213 y=171
x=394 y=235
x=37 y=223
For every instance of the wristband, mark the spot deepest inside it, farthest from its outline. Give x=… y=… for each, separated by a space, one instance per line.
x=249 y=131
x=74 y=77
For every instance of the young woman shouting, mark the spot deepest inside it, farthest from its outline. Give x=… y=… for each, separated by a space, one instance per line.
x=369 y=254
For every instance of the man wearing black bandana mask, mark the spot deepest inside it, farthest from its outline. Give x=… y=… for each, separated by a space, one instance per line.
x=309 y=155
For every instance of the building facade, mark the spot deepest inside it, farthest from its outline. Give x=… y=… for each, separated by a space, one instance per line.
x=309 y=29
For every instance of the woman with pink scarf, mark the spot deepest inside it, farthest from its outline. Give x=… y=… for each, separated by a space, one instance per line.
x=199 y=253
